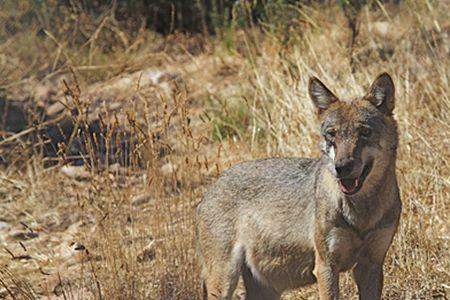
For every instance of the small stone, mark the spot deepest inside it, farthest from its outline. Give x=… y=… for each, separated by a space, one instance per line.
x=65 y=251
x=117 y=168
x=381 y=28
x=4 y=226
x=148 y=253
x=78 y=247
x=70 y=250
x=140 y=199
x=60 y=287
x=76 y=172
x=168 y=168
x=3 y=293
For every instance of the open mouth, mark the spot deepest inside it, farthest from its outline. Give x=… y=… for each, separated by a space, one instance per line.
x=351 y=186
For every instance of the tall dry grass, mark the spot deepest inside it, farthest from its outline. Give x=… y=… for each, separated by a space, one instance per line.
x=245 y=99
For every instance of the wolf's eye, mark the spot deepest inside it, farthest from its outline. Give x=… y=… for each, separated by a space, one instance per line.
x=330 y=133
x=365 y=132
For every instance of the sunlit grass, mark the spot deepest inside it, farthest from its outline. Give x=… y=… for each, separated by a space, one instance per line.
x=244 y=99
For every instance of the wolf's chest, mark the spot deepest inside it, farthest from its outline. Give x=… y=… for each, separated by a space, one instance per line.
x=344 y=247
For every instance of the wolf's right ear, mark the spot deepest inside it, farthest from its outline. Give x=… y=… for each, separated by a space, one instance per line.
x=321 y=96
x=382 y=93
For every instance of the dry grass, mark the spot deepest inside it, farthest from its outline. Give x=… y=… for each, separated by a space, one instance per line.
x=240 y=102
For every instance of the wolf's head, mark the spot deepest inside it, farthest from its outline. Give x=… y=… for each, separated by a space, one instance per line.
x=359 y=137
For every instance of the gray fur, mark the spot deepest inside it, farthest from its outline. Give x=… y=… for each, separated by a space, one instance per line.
x=283 y=223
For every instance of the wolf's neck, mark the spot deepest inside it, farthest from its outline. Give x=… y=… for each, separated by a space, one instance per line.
x=366 y=208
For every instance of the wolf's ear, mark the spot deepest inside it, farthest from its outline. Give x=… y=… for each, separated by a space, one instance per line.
x=321 y=96
x=382 y=93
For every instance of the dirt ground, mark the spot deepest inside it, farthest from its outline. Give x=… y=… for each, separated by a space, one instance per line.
x=105 y=154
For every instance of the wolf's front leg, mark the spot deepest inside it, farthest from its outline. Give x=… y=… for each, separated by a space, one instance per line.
x=368 y=271
x=327 y=279
x=369 y=279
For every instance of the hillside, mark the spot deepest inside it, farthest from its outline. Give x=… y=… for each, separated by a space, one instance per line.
x=110 y=133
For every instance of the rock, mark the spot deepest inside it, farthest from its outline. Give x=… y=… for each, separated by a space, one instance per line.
x=4 y=226
x=65 y=251
x=55 y=109
x=106 y=104
x=3 y=293
x=76 y=172
x=148 y=253
x=61 y=287
x=381 y=28
x=70 y=251
x=77 y=246
x=140 y=199
x=42 y=92
x=168 y=168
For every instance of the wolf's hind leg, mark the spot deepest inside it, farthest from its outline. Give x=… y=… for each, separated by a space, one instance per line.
x=255 y=290
x=220 y=278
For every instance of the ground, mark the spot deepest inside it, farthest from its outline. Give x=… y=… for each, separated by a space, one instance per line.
x=80 y=220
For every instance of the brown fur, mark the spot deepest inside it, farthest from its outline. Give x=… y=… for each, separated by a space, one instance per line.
x=289 y=222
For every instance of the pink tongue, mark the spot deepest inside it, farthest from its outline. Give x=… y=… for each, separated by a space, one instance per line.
x=348 y=185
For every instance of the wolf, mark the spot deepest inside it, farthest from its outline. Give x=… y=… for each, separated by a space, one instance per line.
x=284 y=223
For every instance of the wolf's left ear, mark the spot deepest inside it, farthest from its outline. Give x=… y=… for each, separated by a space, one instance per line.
x=321 y=96
x=382 y=93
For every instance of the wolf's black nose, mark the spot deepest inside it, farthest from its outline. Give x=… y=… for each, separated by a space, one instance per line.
x=344 y=167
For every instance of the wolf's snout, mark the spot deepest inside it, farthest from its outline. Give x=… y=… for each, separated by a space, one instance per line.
x=344 y=167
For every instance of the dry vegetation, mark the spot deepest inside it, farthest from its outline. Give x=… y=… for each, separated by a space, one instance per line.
x=126 y=232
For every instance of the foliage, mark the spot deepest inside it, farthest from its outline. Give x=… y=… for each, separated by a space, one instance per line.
x=249 y=100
